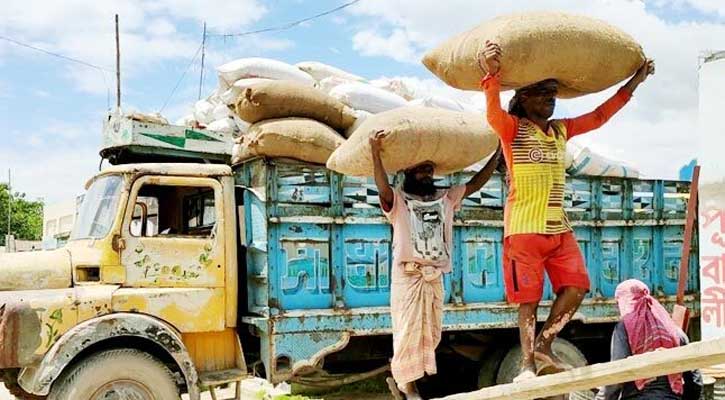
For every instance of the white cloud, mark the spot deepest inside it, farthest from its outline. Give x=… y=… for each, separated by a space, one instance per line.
x=34 y=140
x=717 y=6
x=397 y=46
x=41 y=93
x=160 y=27
x=220 y=15
x=84 y=29
x=54 y=174
x=55 y=162
x=661 y=118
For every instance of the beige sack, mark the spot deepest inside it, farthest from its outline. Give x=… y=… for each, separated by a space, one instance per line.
x=299 y=138
x=585 y=55
x=282 y=99
x=452 y=140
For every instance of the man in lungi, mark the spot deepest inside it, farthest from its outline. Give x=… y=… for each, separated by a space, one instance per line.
x=422 y=219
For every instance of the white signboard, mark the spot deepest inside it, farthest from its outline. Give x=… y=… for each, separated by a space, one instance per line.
x=711 y=134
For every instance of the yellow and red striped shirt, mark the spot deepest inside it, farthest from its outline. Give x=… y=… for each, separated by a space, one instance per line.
x=535 y=161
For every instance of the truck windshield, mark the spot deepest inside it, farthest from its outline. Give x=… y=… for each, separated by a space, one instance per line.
x=100 y=204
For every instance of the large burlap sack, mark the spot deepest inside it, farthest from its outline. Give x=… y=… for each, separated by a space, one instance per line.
x=221 y=111
x=154 y=118
x=585 y=55
x=451 y=140
x=320 y=71
x=224 y=125
x=186 y=120
x=327 y=84
x=242 y=126
x=585 y=162
x=261 y=68
x=203 y=111
x=362 y=96
x=231 y=95
x=403 y=87
x=282 y=99
x=443 y=103
x=299 y=138
x=360 y=117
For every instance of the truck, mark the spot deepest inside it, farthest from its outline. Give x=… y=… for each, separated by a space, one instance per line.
x=184 y=272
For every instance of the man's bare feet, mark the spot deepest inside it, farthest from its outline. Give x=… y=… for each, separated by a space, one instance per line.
x=393 y=387
x=525 y=375
x=548 y=363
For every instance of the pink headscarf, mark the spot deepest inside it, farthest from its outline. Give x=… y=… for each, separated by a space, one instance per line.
x=648 y=325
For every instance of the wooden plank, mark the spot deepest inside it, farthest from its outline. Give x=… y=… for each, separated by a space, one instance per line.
x=680 y=313
x=657 y=363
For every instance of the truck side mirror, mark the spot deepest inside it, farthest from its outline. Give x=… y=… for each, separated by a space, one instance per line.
x=118 y=243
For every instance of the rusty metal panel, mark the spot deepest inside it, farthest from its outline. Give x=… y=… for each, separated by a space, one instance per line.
x=32 y=321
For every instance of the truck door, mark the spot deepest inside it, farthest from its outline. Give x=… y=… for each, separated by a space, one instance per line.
x=173 y=233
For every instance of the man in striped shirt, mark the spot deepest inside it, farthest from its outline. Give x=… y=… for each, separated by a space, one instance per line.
x=537 y=234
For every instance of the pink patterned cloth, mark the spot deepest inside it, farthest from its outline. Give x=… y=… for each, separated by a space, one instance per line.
x=417 y=315
x=648 y=325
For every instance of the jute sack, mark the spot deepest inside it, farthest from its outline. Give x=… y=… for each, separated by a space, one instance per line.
x=282 y=99
x=452 y=140
x=231 y=95
x=366 y=97
x=585 y=55
x=320 y=71
x=299 y=138
x=256 y=67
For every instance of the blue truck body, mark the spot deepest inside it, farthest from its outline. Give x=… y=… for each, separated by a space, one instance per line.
x=318 y=255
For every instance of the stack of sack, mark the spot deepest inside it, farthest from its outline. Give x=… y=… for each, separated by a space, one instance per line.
x=309 y=110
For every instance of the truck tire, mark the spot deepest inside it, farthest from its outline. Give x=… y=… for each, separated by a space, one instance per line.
x=563 y=348
x=116 y=374
x=489 y=368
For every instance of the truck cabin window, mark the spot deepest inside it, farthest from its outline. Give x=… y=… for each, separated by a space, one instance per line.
x=99 y=208
x=164 y=211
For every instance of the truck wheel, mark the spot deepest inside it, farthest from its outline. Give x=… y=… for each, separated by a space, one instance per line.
x=489 y=368
x=563 y=348
x=115 y=375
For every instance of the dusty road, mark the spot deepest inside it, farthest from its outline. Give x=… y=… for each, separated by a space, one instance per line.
x=228 y=393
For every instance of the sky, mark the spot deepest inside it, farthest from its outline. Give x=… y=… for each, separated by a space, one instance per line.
x=52 y=109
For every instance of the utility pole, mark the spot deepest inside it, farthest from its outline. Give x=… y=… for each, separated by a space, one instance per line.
x=10 y=200
x=203 y=50
x=9 y=247
x=118 y=68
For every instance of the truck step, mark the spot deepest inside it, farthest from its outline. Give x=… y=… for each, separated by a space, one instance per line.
x=213 y=379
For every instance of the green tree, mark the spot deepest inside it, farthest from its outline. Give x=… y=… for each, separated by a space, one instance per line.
x=26 y=217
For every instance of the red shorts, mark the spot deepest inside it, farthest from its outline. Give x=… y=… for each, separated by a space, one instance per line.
x=526 y=256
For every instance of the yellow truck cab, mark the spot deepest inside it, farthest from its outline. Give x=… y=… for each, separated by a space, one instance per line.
x=148 y=281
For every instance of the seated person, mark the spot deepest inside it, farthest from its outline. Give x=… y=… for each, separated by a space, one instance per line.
x=646 y=326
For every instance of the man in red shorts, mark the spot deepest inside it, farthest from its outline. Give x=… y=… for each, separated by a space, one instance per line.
x=537 y=234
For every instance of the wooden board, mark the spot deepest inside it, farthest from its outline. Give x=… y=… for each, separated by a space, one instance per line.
x=658 y=363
